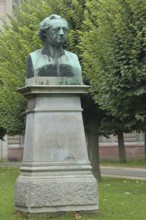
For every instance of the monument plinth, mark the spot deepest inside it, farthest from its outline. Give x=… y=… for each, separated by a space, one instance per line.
x=55 y=173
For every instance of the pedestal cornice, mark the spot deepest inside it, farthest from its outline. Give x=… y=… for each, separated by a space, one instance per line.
x=54 y=89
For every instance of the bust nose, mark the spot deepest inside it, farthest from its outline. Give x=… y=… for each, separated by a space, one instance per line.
x=61 y=32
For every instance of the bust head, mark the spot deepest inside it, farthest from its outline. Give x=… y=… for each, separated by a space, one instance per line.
x=53 y=30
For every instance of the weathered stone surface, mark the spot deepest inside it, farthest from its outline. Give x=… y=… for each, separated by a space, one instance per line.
x=54 y=128
x=53 y=193
x=55 y=174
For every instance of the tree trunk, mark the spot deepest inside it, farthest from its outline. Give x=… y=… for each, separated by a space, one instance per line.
x=93 y=147
x=92 y=118
x=145 y=146
x=122 y=153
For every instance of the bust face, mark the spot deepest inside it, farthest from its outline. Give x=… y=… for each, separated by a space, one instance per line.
x=57 y=33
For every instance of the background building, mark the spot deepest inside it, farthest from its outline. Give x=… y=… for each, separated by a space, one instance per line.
x=5 y=8
x=12 y=147
x=134 y=143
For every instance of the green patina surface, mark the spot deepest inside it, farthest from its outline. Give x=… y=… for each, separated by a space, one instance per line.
x=54 y=81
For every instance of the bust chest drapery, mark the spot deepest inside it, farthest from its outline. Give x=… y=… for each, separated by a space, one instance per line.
x=40 y=64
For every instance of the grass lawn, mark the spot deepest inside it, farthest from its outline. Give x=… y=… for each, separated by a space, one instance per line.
x=139 y=163
x=120 y=199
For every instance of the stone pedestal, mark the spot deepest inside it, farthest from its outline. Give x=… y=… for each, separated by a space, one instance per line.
x=55 y=173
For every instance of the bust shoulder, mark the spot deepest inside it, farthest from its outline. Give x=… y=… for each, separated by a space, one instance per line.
x=70 y=54
x=35 y=53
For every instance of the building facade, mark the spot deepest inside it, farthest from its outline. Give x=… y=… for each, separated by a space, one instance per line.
x=12 y=147
x=6 y=7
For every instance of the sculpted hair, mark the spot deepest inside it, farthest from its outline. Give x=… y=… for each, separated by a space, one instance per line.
x=46 y=23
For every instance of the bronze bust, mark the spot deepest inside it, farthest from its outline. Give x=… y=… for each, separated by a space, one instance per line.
x=52 y=59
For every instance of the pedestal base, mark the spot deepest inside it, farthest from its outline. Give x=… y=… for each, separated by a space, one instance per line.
x=63 y=187
x=55 y=174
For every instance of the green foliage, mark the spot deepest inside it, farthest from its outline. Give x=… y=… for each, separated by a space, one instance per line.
x=111 y=125
x=109 y=36
x=17 y=40
x=114 y=50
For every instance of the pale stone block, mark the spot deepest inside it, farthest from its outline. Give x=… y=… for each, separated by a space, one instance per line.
x=55 y=173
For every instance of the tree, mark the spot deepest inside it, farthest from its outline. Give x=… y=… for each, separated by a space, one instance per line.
x=92 y=118
x=17 y=40
x=109 y=125
x=114 y=49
